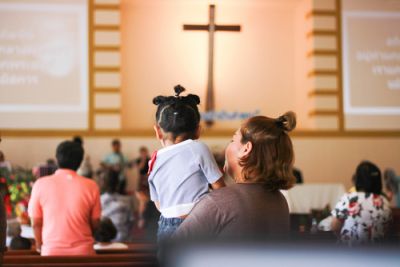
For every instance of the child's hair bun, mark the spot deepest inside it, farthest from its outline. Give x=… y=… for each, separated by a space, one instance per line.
x=158 y=100
x=193 y=99
x=287 y=122
x=178 y=90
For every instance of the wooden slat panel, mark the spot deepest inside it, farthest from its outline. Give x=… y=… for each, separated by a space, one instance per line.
x=107 y=90
x=318 y=12
x=106 y=7
x=322 y=52
x=321 y=33
x=107 y=48
x=322 y=72
x=323 y=92
x=106 y=27
x=323 y=113
x=107 y=69
x=107 y=111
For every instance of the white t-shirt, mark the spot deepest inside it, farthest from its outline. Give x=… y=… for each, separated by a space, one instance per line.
x=180 y=176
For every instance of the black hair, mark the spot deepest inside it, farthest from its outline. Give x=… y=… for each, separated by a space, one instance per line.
x=178 y=115
x=20 y=243
x=115 y=142
x=368 y=178
x=78 y=139
x=111 y=181
x=69 y=155
x=106 y=230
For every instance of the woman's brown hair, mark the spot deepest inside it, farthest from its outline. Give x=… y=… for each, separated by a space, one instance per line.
x=271 y=158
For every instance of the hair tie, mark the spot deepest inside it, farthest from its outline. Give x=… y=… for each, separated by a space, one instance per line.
x=280 y=122
x=178 y=90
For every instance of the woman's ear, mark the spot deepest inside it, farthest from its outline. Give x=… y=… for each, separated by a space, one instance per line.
x=246 y=149
x=158 y=132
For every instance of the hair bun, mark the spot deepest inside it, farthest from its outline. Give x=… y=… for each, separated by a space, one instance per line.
x=158 y=100
x=178 y=90
x=193 y=99
x=287 y=121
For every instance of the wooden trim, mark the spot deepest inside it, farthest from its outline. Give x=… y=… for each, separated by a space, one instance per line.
x=91 y=64
x=321 y=72
x=320 y=112
x=318 y=12
x=339 y=65
x=107 y=90
x=107 y=48
x=322 y=92
x=106 y=7
x=149 y=133
x=107 y=69
x=107 y=111
x=322 y=52
x=321 y=33
x=345 y=134
x=107 y=27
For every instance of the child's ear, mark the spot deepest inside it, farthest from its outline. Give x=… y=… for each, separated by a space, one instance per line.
x=158 y=131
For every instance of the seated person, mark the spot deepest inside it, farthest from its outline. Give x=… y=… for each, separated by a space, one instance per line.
x=298 y=175
x=3 y=163
x=117 y=207
x=116 y=162
x=86 y=169
x=104 y=234
x=142 y=193
x=49 y=168
x=392 y=182
x=362 y=216
x=17 y=241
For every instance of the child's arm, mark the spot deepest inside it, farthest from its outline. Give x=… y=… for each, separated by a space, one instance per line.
x=218 y=184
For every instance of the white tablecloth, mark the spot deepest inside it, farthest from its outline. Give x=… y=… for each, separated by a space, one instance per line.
x=304 y=197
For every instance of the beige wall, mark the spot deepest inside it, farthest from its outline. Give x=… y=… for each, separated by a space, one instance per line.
x=258 y=68
x=325 y=160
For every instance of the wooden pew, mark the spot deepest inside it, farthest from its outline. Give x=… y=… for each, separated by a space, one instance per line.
x=132 y=248
x=133 y=259
x=23 y=252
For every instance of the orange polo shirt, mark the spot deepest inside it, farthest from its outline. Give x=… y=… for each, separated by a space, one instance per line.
x=67 y=203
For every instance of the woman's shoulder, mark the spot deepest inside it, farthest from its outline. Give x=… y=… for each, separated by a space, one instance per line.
x=237 y=192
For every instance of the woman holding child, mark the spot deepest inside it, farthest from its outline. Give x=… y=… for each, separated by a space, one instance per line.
x=259 y=158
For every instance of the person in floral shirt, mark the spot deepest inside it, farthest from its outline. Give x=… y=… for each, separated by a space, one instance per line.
x=362 y=217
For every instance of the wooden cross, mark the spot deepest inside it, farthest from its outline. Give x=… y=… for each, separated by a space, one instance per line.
x=211 y=28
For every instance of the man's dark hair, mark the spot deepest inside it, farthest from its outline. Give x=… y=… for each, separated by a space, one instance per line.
x=106 y=231
x=368 y=178
x=178 y=115
x=111 y=181
x=20 y=243
x=69 y=155
x=115 y=142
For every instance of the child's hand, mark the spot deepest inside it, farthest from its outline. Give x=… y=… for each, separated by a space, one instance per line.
x=218 y=184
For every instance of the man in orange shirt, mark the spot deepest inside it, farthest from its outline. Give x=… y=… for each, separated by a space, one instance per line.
x=65 y=208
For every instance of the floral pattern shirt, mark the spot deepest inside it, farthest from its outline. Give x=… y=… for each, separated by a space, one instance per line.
x=365 y=217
